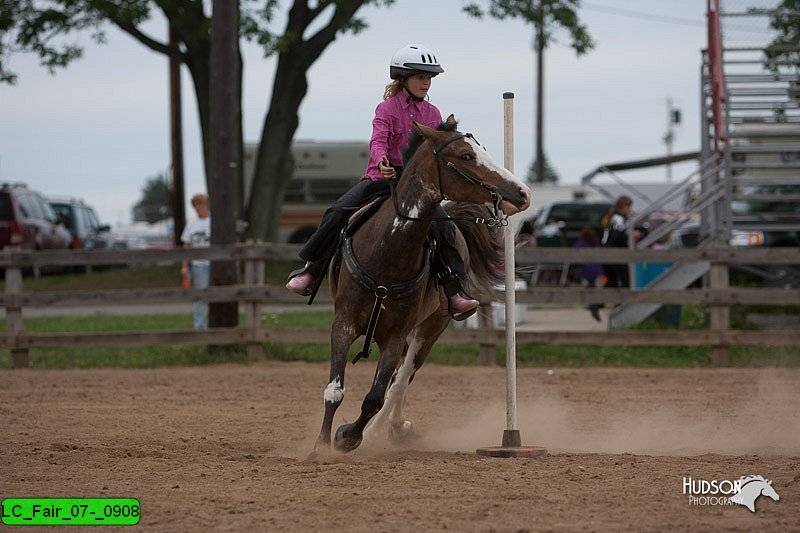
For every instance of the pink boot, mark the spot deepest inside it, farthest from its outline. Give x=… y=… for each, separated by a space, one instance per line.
x=301 y=284
x=461 y=305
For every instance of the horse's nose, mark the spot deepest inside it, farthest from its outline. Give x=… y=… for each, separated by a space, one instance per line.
x=525 y=192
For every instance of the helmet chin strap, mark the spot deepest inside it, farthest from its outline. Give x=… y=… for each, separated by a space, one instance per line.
x=409 y=95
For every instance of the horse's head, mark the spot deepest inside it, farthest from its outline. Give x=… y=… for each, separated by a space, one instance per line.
x=751 y=487
x=467 y=173
x=770 y=492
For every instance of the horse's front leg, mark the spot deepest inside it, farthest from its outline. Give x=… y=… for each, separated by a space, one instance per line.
x=421 y=341
x=349 y=436
x=342 y=337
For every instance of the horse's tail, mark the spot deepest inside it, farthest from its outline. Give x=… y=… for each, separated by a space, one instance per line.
x=485 y=246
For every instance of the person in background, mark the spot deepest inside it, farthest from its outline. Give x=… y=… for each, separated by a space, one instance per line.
x=197 y=234
x=616 y=236
x=591 y=274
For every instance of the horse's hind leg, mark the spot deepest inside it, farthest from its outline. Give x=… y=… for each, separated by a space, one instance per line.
x=348 y=436
x=342 y=336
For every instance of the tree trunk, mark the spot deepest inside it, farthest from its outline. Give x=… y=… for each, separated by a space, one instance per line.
x=199 y=66
x=225 y=151
x=274 y=165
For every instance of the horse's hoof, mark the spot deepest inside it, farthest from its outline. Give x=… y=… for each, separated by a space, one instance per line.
x=344 y=443
x=403 y=433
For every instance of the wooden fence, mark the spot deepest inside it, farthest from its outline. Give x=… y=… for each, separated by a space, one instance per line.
x=251 y=293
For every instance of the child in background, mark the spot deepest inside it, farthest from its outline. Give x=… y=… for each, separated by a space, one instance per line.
x=591 y=274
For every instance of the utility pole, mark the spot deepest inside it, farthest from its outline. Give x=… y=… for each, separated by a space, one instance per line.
x=540 y=95
x=673 y=119
x=225 y=150
x=176 y=136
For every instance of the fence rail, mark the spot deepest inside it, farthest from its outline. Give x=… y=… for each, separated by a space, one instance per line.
x=252 y=293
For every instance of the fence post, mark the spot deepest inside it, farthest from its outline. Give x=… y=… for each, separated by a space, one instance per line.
x=14 y=321
x=254 y=277
x=720 y=315
x=487 y=353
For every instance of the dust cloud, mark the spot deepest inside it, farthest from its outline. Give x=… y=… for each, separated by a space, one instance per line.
x=762 y=419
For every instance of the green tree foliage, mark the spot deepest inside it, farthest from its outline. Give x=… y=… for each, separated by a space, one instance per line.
x=550 y=175
x=43 y=27
x=785 y=19
x=154 y=205
x=785 y=48
x=547 y=14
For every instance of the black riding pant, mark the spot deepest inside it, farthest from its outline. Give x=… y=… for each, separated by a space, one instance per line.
x=335 y=217
x=333 y=220
x=617 y=276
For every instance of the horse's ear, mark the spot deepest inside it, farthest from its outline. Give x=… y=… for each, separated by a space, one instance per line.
x=425 y=131
x=450 y=123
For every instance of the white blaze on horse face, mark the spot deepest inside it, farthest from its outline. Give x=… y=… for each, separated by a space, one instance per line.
x=483 y=158
x=334 y=392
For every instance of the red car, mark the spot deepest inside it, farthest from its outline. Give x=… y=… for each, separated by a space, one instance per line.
x=28 y=221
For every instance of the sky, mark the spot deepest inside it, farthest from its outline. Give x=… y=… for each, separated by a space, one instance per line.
x=99 y=129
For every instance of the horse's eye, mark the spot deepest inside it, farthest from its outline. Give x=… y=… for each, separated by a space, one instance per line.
x=466 y=157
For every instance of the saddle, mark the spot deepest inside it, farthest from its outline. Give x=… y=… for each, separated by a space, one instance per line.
x=354 y=221
x=362 y=214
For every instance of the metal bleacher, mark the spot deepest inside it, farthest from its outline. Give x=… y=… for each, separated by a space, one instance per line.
x=750 y=151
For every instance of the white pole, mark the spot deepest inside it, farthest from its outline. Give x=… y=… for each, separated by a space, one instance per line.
x=511 y=297
x=512 y=440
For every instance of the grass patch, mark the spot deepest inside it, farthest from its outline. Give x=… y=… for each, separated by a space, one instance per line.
x=150 y=276
x=692 y=317
x=144 y=357
x=155 y=276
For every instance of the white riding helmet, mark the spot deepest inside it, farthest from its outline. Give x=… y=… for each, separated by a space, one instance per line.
x=414 y=59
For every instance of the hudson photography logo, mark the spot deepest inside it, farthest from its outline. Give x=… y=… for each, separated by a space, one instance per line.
x=743 y=491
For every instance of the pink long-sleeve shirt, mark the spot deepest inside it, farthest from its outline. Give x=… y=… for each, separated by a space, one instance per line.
x=391 y=127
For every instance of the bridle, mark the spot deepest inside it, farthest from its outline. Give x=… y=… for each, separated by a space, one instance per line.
x=498 y=218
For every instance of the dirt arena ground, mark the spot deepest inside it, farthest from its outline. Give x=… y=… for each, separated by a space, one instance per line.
x=224 y=448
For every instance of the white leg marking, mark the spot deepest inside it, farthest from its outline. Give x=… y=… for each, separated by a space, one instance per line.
x=334 y=392
x=397 y=391
x=403 y=377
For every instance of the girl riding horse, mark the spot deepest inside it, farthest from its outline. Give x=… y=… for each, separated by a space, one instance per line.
x=412 y=68
x=390 y=297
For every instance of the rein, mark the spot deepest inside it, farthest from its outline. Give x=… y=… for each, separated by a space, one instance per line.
x=496 y=219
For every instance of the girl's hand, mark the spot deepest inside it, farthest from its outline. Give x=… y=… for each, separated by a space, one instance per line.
x=387 y=170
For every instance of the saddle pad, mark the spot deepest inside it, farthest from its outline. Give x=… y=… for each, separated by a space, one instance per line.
x=364 y=212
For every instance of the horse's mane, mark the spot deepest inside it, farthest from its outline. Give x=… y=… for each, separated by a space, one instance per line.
x=747 y=479
x=484 y=245
x=415 y=140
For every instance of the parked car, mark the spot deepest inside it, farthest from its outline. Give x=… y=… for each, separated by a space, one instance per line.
x=560 y=223
x=28 y=221
x=778 y=220
x=784 y=276
x=82 y=222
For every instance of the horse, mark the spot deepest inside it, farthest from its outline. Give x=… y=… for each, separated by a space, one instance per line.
x=751 y=487
x=384 y=287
